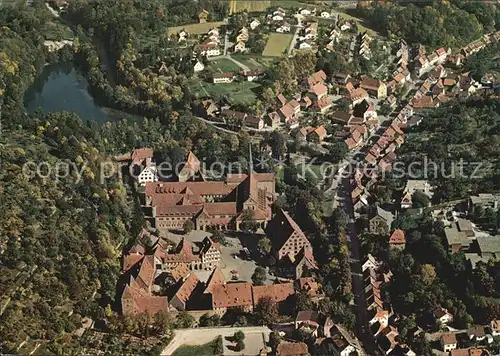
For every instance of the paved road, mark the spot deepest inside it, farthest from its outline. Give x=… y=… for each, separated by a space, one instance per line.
x=295 y=35
x=203 y=335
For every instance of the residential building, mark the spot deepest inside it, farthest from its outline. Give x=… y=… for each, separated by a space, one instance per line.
x=198 y=67
x=459 y=236
x=223 y=77
x=476 y=333
x=255 y=122
x=240 y=47
x=472 y=351
x=319 y=90
x=141 y=165
x=374 y=87
x=495 y=327
x=284 y=28
x=386 y=339
x=412 y=186
x=443 y=316
x=307 y=44
x=448 y=342
x=210 y=50
x=254 y=24
x=317 y=134
x=324 y=104
x=315 y=78
x=397 y=239
x=345 y=26
x=203 y=16
x=208 y=108
x=380 y=219
x=325 y=15
x=273 y=119
x=485 y=201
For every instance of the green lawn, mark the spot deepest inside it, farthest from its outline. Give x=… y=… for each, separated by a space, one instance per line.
x=277 y=44
x=360 y=23
x=252 y=61
x=224 y=65
x=207 y=349
x=195 y=28
x=237 y=92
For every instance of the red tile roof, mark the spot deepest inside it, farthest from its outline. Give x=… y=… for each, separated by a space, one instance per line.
x=275 y=292
x=308 y=284
x=180 y=271
x=292 y=349
x=397 y=237
x=130 y=261
x=141 y=153
x=319 y=89
x=215 y=279
x=187 y=288
x=232 y=295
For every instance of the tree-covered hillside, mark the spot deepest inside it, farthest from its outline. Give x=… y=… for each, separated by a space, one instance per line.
x=435 y=24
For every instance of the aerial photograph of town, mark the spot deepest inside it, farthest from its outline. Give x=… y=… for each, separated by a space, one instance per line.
x=250 y=177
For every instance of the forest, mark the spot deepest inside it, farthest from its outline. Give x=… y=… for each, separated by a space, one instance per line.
x=436 y=24
x=454 y=136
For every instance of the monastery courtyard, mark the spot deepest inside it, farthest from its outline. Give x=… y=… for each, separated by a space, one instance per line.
x=244 y=268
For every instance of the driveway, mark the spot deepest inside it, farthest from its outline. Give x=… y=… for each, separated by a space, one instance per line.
x=256 y=338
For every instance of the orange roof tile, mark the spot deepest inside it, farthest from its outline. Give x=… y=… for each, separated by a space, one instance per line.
x=232 y=295
x=397 y=237
x=275 y=292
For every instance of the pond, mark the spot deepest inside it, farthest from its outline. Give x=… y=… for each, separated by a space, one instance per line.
x=60 y=87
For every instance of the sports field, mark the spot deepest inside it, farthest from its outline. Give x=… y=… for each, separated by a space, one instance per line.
x=195 y=28
x=277 y=45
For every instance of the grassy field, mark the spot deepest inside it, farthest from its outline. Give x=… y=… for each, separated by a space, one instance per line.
x=361 y=25
x=198 y=350
x=10 y=2
x=253 y=61
x=224 y=65
x=196 y=28
x=277 y=45
x=237 y=92
x=248 y=5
